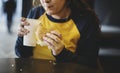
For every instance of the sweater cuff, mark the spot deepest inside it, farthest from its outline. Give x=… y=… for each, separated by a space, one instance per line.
x=63 y=56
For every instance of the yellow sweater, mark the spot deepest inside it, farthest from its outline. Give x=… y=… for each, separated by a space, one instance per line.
x=67 y=29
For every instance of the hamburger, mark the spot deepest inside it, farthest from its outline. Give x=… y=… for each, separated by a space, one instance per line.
x=40 y=33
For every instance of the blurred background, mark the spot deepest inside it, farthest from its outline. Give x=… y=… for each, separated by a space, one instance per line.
x=11 y=12
x=108 y=12
x=7 y=40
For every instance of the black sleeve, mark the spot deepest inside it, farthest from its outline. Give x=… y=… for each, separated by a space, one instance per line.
x=20 y=49
x=87 y=49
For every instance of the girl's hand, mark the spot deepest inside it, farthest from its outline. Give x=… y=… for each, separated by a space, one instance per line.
x=54 y=41
x=21 y=30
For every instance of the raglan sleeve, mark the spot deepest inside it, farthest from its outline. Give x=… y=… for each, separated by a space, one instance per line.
x=21 y=50
x=87 y=48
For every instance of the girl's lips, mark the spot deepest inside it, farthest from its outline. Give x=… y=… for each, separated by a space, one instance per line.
x=49 y=6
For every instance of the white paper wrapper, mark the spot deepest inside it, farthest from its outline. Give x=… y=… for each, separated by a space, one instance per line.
x=30 y=39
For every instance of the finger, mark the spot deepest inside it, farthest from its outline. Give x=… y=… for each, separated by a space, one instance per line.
x=56 y=33
x=21 y=29
x=22 y=32
x=54 y=37
x=25 y=23
x=49 y=41
x=49 y=46
x=23 y=19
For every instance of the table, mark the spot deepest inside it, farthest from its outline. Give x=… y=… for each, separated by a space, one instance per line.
x=19 y=65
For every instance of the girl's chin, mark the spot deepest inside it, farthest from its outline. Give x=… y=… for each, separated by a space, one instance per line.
x=50 y=12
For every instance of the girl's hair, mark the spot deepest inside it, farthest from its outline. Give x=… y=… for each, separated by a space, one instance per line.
x=79 y=6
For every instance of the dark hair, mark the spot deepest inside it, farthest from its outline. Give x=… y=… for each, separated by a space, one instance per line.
x=78 y=6
x=81 y=7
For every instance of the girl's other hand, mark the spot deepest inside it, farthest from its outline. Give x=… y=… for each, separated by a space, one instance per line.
x=21 y=30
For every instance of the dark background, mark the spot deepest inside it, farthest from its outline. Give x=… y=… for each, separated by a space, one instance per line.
x=108 y=12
